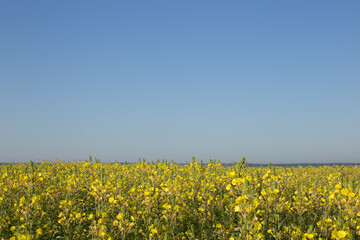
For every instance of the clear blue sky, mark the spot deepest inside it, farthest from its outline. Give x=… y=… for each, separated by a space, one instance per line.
x=272 y=81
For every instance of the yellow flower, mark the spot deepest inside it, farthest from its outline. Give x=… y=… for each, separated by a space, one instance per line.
x=39 y=231
x=276 y=191
x=237 y=181
x=91 y=216
x=258 y=225
x=111 y=200
x=351 y=195
x=167 y=206
x=328 y=220
x=309 y=235
x=119 y=216
x=270 y=199
x=256 y=203
x=35 y=199
x=240 y=180
x=341 y=234
x=23 y=237
x=344 y=191
x=232 y=174
x=241 y=199
x=338 y=234
x=234 y=182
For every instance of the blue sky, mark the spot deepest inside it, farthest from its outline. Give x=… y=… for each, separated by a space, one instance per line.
x=274 y=81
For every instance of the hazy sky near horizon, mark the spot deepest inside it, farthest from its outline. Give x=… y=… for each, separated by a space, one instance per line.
x=272 y=81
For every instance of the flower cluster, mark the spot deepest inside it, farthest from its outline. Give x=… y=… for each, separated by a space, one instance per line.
x=165 y=200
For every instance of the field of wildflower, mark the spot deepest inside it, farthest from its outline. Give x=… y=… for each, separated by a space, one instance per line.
x=165 y=200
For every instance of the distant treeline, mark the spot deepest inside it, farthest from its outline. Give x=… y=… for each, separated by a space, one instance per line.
x=231 y=164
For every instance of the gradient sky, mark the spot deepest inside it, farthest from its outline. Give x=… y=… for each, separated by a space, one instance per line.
x=274 y=81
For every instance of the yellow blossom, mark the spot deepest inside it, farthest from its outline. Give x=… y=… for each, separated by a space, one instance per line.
x=119 y=216
x=167 y=206
x=257 y=225
x=39 y=231
x=309 y=236
x=338 y=234
x=232 y=174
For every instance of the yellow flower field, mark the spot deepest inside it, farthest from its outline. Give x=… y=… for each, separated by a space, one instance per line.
x=165 y=200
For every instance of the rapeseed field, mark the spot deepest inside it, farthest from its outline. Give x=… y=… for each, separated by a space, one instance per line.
x=165 y=200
